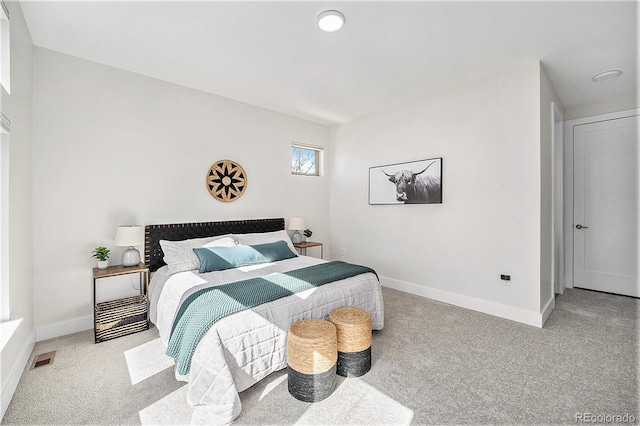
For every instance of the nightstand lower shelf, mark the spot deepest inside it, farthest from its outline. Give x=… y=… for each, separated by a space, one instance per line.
x=121 y=317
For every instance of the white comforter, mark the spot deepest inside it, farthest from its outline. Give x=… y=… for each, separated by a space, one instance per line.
x=243 y=348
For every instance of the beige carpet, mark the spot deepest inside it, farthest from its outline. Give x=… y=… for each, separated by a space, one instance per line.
x=432 y=364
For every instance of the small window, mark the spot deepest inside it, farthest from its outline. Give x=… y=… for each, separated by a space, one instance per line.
x=4 y=219
x=305 y=160
x=5 y=46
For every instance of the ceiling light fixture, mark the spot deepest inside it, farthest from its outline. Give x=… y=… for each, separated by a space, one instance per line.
x=330 y=21
x=607 y=75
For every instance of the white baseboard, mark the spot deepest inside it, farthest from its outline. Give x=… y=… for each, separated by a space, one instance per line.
x=535 y=319
x=63 y=328
x=496 y=309
x=17 y=369
x=547 y=309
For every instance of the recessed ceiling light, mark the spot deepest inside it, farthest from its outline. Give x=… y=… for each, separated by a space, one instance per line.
x=330 y=21
x=607 y=75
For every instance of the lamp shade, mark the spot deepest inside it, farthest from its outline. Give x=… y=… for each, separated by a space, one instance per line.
x=127 y=236
x=296 y=223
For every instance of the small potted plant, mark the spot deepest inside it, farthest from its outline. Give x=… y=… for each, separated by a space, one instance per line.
x=307 y=234
x=102 y=254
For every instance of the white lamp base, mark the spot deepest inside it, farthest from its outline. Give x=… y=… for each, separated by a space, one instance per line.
x=130 y=257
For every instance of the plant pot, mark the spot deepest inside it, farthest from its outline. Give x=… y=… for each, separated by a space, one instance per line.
x=103 y=264
x=307 y=239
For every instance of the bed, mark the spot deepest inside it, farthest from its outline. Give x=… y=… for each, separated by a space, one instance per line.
x=244 y=347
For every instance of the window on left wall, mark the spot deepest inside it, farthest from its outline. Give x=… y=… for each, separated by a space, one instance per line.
x=4 y=218
x=5 y=48
x=7 y=327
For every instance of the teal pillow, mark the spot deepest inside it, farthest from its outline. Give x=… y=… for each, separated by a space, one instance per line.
x=221 y=258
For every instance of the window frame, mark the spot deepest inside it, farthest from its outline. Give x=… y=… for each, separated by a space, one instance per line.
x=318 y=162
x=5 y=307
x=5 y=48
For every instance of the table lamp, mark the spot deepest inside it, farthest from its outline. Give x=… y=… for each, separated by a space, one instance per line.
x=129 y=236
x=296 y=224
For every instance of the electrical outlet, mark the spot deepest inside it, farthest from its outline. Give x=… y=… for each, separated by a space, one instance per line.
x=344 y=251
x=504 y=277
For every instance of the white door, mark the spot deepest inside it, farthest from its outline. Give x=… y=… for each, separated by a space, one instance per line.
x=605 y=226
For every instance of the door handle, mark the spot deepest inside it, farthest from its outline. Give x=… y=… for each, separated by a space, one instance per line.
x=578 y=226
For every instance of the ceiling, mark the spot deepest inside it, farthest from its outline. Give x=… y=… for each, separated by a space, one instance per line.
x=271 y=54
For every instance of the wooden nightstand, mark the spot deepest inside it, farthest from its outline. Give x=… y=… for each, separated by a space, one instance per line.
x=304 y=246
x=122 y=316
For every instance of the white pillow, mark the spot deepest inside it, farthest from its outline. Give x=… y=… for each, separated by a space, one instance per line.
x=179 y=255
x=265 y=237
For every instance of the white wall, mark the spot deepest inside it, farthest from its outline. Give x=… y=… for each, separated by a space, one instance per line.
x=489 y=223
x=604 y=106
x=113 y=147
x=18 y=107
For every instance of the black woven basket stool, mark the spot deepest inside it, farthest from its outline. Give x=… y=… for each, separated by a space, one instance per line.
x=311 y=359
x=354 y=340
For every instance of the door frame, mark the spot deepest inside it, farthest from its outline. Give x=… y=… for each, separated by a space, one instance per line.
x=557 y=221
x=568 y=182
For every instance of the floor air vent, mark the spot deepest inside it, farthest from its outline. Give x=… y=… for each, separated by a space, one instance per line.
x=43 y=359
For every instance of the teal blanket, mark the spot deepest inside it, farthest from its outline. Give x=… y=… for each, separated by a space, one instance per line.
x=203 y=308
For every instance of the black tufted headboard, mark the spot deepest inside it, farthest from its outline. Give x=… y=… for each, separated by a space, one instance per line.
x=183 y=231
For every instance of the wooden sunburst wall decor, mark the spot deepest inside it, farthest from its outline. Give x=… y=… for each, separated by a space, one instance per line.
x=226 y=180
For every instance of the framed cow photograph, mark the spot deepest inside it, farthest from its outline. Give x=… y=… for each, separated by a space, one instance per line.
x=414 y=182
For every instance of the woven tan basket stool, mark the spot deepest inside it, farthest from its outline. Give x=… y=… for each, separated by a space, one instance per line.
x=354 y=340
x=311 y=359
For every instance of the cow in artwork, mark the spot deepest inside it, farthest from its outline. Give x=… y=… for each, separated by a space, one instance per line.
x=416 y=188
